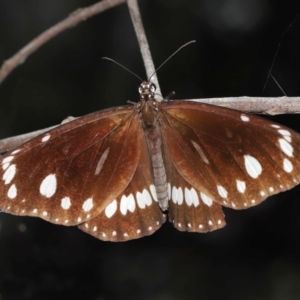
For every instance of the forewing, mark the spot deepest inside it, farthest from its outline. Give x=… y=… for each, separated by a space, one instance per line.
x=71 y=173
x=232 y=158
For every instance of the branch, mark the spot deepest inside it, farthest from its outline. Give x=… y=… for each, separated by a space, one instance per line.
x=143 y=43
x=259 y=105
x=74 y=18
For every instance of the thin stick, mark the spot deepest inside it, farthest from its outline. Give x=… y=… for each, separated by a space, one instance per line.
x=143 y=43
x=74 y=18
x=259 y=105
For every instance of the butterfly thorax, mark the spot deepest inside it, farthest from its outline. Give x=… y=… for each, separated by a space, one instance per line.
x=149 y=119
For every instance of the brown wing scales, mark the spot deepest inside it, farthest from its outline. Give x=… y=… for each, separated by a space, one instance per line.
x=135 y=211
x=236 y=160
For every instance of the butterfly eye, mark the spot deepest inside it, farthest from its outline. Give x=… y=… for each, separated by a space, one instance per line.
x=153 y=87
x=140 y=90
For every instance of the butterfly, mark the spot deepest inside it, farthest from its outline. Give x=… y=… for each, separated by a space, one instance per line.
x=119 y=173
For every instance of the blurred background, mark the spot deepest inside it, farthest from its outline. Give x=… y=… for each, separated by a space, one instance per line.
x=257 y=255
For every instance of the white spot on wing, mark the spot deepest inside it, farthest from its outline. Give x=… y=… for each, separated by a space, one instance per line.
x=127 y=203
x=241 y=186
x=200 y=152
x=222 y=191
x=45 y=213
x=110 y=209
x=140 y=200
x=179 y=196
x=153 y=192
x=206 y=200
x=48 y=186
x=65 y=203
x=5 y=166
x=174 y=194
x=245 y=118
x=7 y=159
x=188 y=197
x=12 y=192
x=195 y=197
x=131 y=203
x=287 y=165
x=286 y=147
x=46 y=138
x=275 y=126
x=16 y=151
x=101 y=161
x=143 y=199
x=253 y=166
x=169 y=190
x=284 y=132
x=9 y=174
x=88 y=204
x=147 y=197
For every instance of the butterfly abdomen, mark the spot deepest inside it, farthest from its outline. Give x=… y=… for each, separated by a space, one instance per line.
x=154 y=143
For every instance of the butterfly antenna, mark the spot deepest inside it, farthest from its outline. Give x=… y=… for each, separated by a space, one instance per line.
x=107 y=58
x=190 y=42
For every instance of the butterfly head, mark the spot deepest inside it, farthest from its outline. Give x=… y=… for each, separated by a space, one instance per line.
x=147 y=90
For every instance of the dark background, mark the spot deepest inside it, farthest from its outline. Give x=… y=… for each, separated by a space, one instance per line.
x=257 y=255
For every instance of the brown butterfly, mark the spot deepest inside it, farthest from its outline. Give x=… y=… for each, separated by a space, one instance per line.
x=116 y=172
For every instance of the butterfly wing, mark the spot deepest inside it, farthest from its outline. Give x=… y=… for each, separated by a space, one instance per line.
x=71 y=173
x=187 y=210
x=228 y=157
x=135 y=212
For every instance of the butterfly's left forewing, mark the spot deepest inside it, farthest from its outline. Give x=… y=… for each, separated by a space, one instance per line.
x=71 y=173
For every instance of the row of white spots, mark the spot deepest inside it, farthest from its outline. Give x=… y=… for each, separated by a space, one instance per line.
x=286 y=148
x=190 y=196
x=9 y=174
x=128 y=203
x=209 y=222
x=114 y=233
